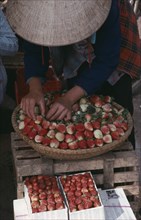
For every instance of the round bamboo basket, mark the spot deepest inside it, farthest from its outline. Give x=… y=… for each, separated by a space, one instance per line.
x=77 y=154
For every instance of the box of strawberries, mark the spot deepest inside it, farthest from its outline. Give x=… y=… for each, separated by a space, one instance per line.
x=82 y=197
x=44 y=198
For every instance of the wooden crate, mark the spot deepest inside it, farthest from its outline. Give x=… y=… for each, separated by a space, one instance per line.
x=118 y=168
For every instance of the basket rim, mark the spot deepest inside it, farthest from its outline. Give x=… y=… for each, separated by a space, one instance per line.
x=56 y=153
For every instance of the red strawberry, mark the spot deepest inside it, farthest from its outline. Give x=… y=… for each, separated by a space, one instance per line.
x=88 y=134
x=96 y=124
x=98 y=104
x=27 y=120
x=99 y=142
x=90 y=143
x=32 y=134
x=112 y=127
x=120 y=131
x=52 y=125
x=108 y=99
x=107 y=138
x=115 y=135
x=26 y=130
x=51 y=134
x=45 y=124
x=69 y=138
x=117 y=124
x=42 y=132
x=38 y=138
x=79 y=135
x=81 y=206
x=37 y=127
x=88 y=204
x=70 y=129
x=46 y=141
x=88 y=117
x=39 y=119
x=88 y=126
x=54 y=143
x=80 y=127
x=82 y=144
x=63 y=145
x=95 y=98
x=105 y=129
x=73 y=145
x=107 y=107
x=61 y=128
x=124 y=125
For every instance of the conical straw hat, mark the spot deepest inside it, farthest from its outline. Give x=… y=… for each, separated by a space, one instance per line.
x=56 y=22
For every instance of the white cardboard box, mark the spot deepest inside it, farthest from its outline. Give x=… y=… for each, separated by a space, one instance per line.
x=116 y=205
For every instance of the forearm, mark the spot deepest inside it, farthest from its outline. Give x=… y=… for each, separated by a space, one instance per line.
x=35 y=84
x=74 y=94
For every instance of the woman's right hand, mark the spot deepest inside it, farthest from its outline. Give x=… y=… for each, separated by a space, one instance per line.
x=29 y=101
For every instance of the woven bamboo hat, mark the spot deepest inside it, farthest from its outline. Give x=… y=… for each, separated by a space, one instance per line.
x=56 y=22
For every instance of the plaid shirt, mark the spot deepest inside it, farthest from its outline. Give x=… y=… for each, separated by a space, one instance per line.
x=130 y=56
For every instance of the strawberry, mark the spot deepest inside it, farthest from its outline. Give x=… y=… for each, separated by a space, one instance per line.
x=96 y=124
x=81 y=206
x=54 y=143
x=95 y=98
x=61 y=128
x=45 y=124
x=39 y=119
x=88 y=126
x=52 y=125
x=59 y=136
x=88 y=134
x=88 y=204
x=120 y=131
x=37 y=127
x=112 y=127
x=21 y=125
x=82 y=144
x=88 y=117
x=26 y=130
x=105 y=129
x=70 y=129
x=117 y=124
x=105 y=115
x=107 y=99
x=38 y=138
x=99 y=142
x=32 y=134
x=73 y=145
x=46 y=141
x=107 y=107
x=27 y=120
x=51 y=133
x=80 y=127
x=98 y=104
x=107 y=139
x=42 y=132
x=124 y=125
x=90 y=143
x=115 y=135
x=69 y=138
x=63 y=145
x=98 y=134
x=79 y=135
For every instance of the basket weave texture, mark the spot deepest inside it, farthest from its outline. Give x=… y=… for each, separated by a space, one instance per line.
x=78 y=154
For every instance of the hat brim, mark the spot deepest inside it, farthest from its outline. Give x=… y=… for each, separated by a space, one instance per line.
x=57 y=22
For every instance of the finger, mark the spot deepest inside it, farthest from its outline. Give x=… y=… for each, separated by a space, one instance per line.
x=75 y=107
x=51 y=112
x=42 y=107
x=60 y=115
x=68 y=116
x=30 y=105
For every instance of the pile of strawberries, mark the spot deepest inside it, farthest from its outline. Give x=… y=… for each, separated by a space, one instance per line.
x=44 y=193
x=97 y=122
x=80 y=191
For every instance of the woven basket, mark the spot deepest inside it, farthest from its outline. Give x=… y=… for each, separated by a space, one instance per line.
x=77 y=154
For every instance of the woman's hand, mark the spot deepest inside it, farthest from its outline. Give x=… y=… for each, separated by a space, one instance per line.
x=63 y=107
x=30 y=100
x=35 y=96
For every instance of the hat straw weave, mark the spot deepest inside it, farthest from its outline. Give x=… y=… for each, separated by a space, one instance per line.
x=57 y=22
